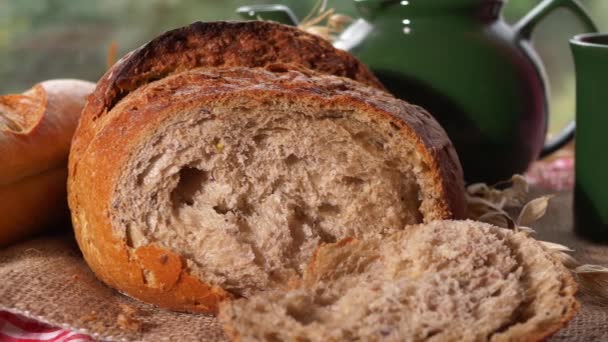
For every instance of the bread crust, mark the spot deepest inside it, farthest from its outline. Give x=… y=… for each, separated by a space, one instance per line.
x=572 y=288
x=120 y=131
x=36 y=128
x=32 y=204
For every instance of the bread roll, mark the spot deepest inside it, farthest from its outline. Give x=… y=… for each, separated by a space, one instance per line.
x=35 y=132
x=213 y=183
x=443 y=281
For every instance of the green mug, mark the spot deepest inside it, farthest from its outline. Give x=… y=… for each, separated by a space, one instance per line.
x=591 y=189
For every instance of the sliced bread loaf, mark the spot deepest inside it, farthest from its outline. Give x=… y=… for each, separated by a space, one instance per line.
x=218 y=182
x=443 y=281
x=235 y=176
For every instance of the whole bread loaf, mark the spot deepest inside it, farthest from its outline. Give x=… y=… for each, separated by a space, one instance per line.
x=443 y=281
x=36 y=128
x=214 y=181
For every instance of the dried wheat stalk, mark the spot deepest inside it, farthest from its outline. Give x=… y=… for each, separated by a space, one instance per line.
x=488 y=204
x=324 y=22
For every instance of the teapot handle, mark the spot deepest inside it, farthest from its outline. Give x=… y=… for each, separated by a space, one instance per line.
x=523 y=30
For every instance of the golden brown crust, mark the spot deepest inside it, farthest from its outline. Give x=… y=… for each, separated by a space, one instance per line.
x=22 y=113
x=151 y=274
x=116 y=135
x=29 y=205
x=36 y=128
x=46 y=113
x=228 y=44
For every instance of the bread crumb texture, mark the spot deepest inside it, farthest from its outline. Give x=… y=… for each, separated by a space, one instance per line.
x=445 y=281
x=244 y=186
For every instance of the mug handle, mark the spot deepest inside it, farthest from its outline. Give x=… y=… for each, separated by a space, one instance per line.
x=523 y=30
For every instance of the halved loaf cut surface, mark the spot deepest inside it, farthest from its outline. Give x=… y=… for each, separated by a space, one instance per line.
x=214 y=183
x=443 y=281
x=219 y=44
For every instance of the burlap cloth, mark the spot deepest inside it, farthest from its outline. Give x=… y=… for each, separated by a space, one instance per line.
x=47 y=279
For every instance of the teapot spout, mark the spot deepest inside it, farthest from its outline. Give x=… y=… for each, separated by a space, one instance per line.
x=279 y=13
x=350 y=37
x=353 y=35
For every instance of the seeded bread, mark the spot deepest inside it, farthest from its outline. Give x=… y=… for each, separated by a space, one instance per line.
x=443 y=281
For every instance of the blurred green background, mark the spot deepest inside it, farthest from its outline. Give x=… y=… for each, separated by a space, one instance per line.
x=42 y=39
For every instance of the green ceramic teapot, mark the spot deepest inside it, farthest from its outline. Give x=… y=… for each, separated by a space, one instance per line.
x=480 y=77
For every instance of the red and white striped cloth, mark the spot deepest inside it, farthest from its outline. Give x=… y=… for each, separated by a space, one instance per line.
x=14 y=328
x=553 y=175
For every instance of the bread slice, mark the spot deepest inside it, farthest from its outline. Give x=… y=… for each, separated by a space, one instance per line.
x=443 y=281
x=217 y=182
